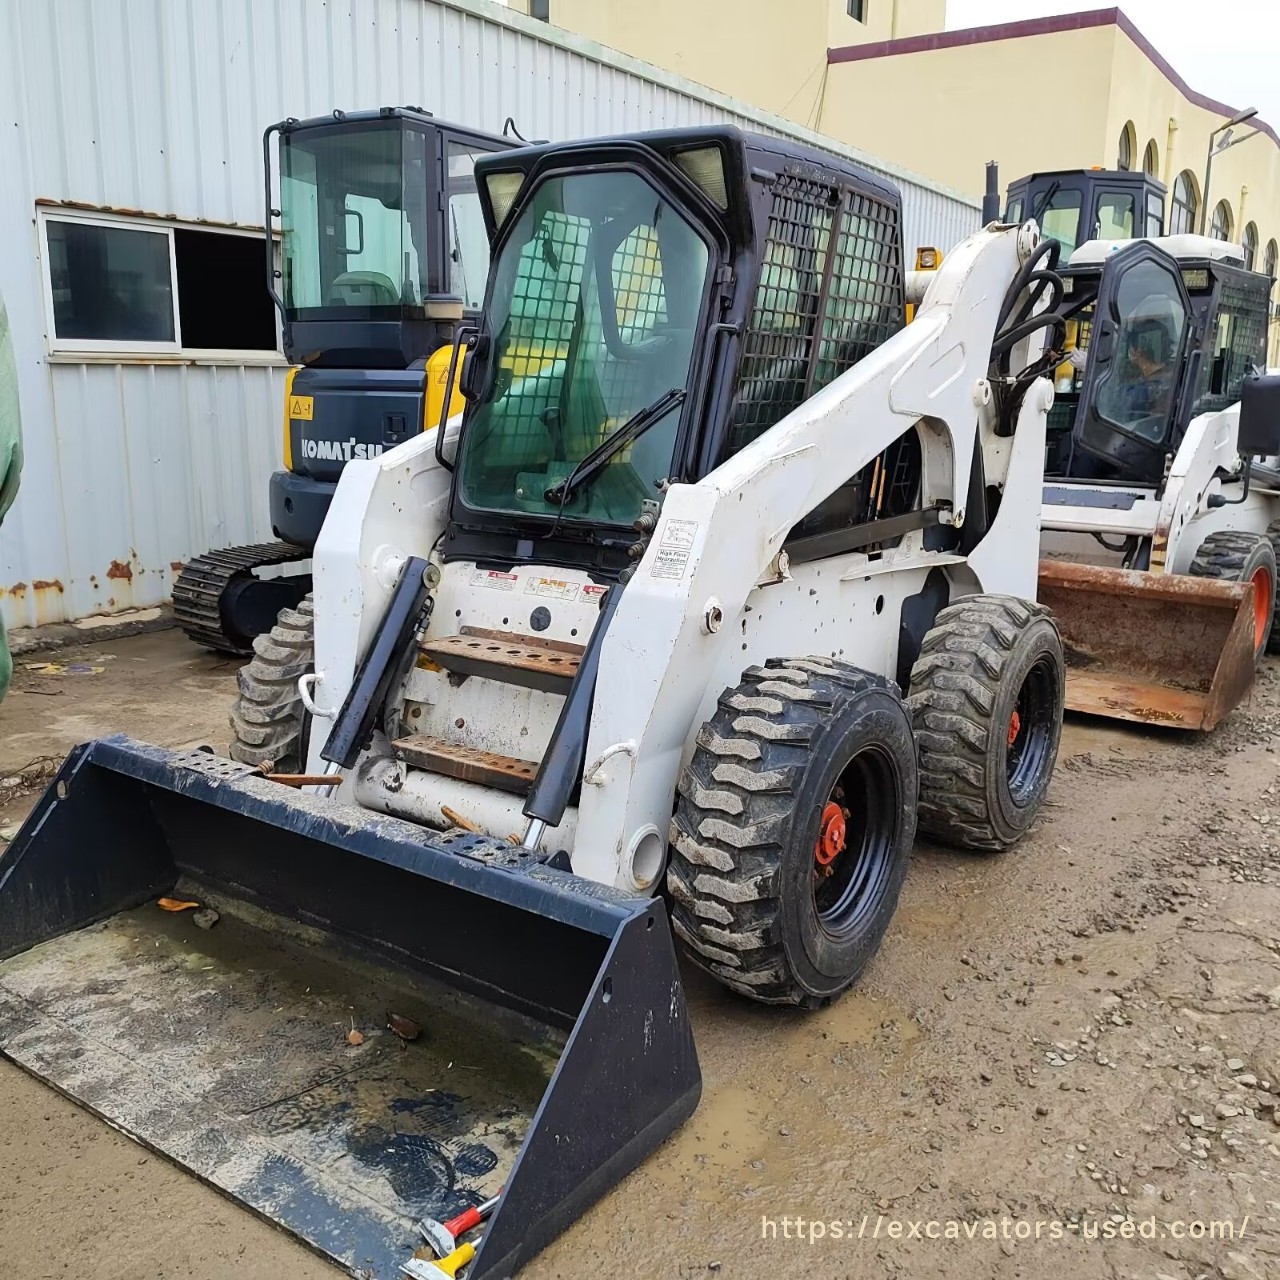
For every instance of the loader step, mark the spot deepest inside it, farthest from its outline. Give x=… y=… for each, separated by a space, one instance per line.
x=469 y=764
x=546 y=665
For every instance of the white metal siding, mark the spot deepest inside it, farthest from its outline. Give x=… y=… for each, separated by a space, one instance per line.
x=159 y=106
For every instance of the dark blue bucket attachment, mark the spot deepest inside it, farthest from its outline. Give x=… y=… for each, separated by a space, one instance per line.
x=253 y=1042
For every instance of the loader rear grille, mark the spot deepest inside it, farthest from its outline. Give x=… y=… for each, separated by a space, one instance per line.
x=818 y=309
x=830 y=293
x=1239 y=344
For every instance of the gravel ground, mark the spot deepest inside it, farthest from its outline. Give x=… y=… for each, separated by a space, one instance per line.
x=1080 y=1033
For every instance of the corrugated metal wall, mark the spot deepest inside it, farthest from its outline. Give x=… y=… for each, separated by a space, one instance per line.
x=158 y=105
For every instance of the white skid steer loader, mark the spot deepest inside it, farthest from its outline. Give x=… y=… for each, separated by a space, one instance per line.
x=1162 y=490
x=724 y=582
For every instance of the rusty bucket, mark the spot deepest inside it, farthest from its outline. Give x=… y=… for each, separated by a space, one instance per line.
x=1163 y=649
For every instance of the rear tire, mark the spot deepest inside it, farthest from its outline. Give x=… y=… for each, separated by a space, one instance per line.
x=986 y=697
x=1234 y=556
x=268 y=721
x=793 y=828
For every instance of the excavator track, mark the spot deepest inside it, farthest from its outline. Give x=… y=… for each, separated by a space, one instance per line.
x=219 y=602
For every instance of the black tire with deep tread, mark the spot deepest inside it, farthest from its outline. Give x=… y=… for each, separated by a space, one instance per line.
x=964 y=690
x=268 y=720
x=1232 y=555
x=746 y=822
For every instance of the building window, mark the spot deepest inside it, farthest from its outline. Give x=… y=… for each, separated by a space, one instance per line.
x=1221 y=224
x=540 y=9
x=858 y=10
x=138 y=284
x=1151 y=160
x=1250 y=243
x=1269 y=258
x=1124 y=159
x=1186 y=204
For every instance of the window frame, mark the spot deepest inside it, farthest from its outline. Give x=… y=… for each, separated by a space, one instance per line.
x=1225 y=224
x=1190 y=206
x=78 y=350
x=1126 y=147
x=1250 y=243
x=857 y=10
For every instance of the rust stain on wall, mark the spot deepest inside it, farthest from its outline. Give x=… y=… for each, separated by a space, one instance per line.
x=120 y=569
x=18 y=589
x=42 y=584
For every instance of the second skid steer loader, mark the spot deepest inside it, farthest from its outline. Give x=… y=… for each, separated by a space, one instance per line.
x=1162 y=492
x=723 y=582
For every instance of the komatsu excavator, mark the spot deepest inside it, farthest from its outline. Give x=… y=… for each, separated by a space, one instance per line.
x=1161 y=513
x=382 y=252
x=723 y=583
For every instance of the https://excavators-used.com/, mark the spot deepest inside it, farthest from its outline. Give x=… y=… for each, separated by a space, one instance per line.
x=382 y=252
x=721 y=588
x=1161 y=514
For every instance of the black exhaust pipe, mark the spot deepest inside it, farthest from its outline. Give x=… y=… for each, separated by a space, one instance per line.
x=991 y=197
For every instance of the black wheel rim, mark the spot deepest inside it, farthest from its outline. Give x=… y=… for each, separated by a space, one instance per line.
x=1030 y=730
x=848 y=888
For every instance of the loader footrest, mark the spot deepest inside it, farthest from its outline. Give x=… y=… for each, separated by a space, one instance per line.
x=512 y=659
x=469 y=764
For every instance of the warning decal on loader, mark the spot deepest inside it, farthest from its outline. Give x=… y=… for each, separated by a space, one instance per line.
x=302 y=407
x=493 y=578
x=674 y=549
x=551 y=587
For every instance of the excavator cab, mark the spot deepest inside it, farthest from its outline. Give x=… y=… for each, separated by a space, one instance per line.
x=380 y=252
x=1074 y=206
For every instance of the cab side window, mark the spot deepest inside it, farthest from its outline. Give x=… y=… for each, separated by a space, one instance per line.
x=467 y=248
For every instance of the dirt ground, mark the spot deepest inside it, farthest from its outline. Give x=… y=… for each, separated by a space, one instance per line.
x=1081 y=1033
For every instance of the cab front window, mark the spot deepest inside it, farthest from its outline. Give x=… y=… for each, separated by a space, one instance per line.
x=594 y=316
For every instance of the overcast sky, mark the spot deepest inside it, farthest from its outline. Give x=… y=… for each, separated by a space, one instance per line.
x=1228 y=49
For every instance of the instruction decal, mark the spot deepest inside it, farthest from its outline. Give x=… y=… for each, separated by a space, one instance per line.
x=671 y=558
x=302 y=408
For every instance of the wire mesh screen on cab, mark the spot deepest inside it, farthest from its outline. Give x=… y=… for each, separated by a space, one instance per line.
x=818 y=310
x=830 y=292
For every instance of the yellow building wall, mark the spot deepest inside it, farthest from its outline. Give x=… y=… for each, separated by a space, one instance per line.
x=1246 y=175
x=945 y=112
x=772 y=53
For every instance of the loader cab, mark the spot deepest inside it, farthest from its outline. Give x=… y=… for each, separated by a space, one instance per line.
x=655 y=303
x=1073 y=206
x=382 y=242
x=1171 y=328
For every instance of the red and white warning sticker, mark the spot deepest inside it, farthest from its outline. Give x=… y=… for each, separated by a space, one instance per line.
x=494 y=580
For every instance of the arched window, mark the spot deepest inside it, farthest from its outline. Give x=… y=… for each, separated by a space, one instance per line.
x=1220 y=225
x=1151 y=161
x=1186 y=204
x=1269 y=258
x=1250 y=243
x=1128 y=144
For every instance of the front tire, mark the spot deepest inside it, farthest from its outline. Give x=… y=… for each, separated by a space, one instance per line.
x=793 y=828
x=1233 y=556
x=987 y=698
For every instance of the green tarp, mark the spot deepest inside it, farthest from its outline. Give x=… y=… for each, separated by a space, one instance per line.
x=10 y=459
